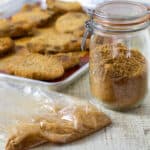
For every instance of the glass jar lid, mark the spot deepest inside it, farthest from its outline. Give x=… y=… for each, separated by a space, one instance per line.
x=121 y=13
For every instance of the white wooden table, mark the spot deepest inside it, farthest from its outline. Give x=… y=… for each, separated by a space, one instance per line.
x=129 y=131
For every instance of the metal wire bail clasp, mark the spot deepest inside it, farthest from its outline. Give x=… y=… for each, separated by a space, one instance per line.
x=88 y=30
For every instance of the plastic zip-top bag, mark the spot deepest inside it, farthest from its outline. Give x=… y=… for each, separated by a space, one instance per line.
x=30 y=117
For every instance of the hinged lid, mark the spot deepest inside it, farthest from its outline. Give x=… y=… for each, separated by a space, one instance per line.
x=121 y=13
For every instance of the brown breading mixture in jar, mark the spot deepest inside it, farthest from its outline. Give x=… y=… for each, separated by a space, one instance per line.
x=118 y=76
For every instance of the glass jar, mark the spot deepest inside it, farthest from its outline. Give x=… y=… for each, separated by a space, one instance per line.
x=119 y=53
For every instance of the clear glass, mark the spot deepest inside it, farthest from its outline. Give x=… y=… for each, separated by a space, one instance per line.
x=119 y=66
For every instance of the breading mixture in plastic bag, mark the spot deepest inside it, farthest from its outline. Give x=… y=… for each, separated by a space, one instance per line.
x=30 y=117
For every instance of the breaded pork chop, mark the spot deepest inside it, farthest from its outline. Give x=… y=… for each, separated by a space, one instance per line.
x=6 y=45
x=22 y=41
x=72 y=22
x=69 y=60
x=36 y=66
x=37 y=17
x=15 y=28
x=50 y=41
x=11 y=57
x=61 y=6
x=4 y=27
